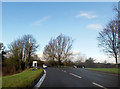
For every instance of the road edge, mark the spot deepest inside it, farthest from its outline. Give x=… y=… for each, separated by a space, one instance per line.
x=38 y=84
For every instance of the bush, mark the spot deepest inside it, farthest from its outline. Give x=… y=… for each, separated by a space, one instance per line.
x=12 y=66
x=9 y=66
x=40 y=63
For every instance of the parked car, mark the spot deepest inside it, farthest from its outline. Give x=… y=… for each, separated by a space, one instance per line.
x=80 y=66
x=74 y=66
x=44 y=66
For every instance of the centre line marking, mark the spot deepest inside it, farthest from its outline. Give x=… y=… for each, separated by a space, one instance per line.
x=75 y=75
x=99 y=85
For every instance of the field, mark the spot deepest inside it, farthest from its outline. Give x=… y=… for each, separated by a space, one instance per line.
x=23 y=79
x=107 y=70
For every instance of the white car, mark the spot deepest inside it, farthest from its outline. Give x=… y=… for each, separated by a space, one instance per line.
x=74 y=66
x=44 y=66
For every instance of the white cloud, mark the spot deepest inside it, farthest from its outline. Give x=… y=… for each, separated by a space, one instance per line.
x=95 y=26
x=39 y=22
x=88 y=15
x=77 y=55
x=75 y=52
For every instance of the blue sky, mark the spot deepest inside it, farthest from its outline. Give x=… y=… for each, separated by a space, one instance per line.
x=82 y=21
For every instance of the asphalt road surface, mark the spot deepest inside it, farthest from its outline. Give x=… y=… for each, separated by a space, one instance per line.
x=79 y=78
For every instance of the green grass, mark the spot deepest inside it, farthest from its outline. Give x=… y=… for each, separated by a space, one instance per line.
x=23 y=79
x=107 y=70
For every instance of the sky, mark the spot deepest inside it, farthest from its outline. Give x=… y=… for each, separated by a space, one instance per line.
x=82 y=21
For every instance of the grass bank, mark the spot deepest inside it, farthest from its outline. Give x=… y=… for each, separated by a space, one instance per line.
x=23 y=79
x=106 y=70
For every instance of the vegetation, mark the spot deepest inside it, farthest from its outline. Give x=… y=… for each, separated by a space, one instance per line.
x=90 y=60
x=108 y=39
x=22 y=49
x=21 y=53
x=58 y=49
x=2 y=51
x=107 y=70
x=23 y=79
x=1 y=46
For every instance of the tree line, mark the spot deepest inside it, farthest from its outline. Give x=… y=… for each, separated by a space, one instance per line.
x=21 y=53
x=58 y=50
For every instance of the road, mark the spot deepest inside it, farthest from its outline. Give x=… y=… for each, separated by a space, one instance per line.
x=79 y=78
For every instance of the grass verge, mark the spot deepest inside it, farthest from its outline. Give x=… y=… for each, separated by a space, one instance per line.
x=106 y=70
x=23 y=79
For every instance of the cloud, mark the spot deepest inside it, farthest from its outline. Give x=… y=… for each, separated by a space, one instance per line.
x=95 y=26
x=39 y=22
x=88 y=15
x=75 y=52
x=77 y=55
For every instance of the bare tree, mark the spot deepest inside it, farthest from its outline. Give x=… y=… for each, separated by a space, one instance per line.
x=15 y=50
x=117 y=10
x=119 y=28
x=118 y=17
x=13 y=46
x=108 y=39
x=2 y=47
x=105 y=62
x=30 y=46
x=59 y=48
x=2 y=51
x=90 y=60
x=49 y=50
x=22 y=49
x=63 y=48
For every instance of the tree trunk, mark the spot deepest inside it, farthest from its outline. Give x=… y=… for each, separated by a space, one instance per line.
x=116 y=59
x=59 y=62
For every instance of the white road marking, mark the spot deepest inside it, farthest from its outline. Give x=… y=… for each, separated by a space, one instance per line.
x=40 y=81
x=75 y=75
x=63 y=70
x=99 y=85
